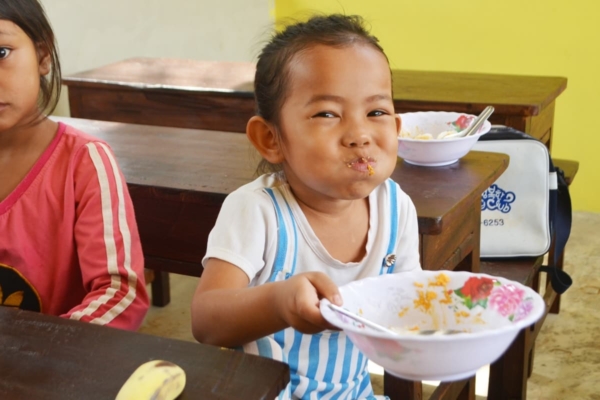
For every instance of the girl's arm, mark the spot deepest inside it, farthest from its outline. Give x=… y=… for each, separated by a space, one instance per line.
x=225 y=312
x=108 y=244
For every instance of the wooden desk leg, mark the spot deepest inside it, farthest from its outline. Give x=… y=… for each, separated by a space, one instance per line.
x=471 y=261
x=508 y=375
x=400 y=389
x=161 y=293
x=460 y=390
x=535 y=285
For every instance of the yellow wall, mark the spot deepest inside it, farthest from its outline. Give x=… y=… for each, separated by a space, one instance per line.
x=524 y=37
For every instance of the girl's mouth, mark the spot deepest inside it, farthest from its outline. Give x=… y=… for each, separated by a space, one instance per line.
x=363 y=164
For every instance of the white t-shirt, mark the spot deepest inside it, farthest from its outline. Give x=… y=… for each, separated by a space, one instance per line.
x=245 y=235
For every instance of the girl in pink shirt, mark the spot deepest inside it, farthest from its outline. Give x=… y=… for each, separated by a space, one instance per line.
x=69 y=244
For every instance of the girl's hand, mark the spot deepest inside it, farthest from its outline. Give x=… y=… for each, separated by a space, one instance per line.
x=297 y=301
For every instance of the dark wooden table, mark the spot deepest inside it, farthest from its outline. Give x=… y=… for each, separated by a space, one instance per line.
x=219 y=95
x=178 y=179
x=47 y=357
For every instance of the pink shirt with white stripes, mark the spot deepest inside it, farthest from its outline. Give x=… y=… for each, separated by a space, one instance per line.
x=68 y=237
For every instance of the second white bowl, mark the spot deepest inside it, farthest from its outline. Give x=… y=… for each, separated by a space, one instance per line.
x=435 y=152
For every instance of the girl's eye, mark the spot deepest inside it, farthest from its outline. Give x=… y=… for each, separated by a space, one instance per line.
x=324 y=114
x=4 y=52
x=377 y=113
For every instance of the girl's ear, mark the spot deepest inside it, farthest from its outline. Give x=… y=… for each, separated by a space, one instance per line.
x=44 y=58
x=264 y=138
x=398 y=124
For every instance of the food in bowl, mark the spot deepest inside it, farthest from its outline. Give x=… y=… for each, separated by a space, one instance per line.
x=483 y=312
x=461 y=123
x=420 y=138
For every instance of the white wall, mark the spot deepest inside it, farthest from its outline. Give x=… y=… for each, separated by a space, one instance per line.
x=91 y=33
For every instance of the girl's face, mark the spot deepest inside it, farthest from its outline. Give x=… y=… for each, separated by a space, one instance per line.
x=338 y=126
x=20 y=70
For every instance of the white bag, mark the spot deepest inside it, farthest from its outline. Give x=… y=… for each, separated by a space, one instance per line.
x=529 y=207
x=515 y=210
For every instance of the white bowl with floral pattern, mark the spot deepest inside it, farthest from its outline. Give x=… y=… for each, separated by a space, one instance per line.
x=420 y=140
x=487 y=311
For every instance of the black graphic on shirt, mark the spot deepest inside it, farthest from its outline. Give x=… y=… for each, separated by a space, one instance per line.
x=16 y=291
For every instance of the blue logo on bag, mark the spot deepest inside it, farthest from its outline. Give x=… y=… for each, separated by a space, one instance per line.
x=495 y=198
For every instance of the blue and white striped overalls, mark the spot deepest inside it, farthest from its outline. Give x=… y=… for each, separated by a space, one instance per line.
x=326 y=365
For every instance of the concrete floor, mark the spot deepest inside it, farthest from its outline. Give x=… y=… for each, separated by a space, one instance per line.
x=567 y=358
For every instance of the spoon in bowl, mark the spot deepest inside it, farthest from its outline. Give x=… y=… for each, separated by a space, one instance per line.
x=377 y=327
x=364 y=321
x=474 y=127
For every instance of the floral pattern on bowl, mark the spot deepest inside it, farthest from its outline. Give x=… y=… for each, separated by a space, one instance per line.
x=508 y=300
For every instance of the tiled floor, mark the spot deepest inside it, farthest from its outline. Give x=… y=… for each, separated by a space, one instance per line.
x=567 y=358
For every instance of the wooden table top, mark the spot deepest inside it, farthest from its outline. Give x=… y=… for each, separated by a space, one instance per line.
x=201 y=162
x=47 y=357
x=171 y=74
x=413 y=90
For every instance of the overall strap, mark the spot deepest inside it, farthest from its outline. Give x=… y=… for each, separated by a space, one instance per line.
x=287 y=235
x=389 y=262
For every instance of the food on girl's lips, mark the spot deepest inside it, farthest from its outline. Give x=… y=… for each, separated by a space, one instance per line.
x=363 y=160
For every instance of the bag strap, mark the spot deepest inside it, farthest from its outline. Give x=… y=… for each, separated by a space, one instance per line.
x=561 y=221
x=560 y=210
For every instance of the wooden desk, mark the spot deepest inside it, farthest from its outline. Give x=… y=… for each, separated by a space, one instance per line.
x=178 y=179
x=219 y=95
x=46 y=357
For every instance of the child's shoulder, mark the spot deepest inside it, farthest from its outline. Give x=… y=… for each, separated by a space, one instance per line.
x=76 y=138
x=266 y=181
x=255 y=191
x=81 y=147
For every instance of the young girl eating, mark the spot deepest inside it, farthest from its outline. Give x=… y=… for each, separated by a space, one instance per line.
x=328 y=215
x=69 y=244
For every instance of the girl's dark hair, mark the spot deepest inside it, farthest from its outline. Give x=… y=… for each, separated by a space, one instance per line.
x=272 y=72
x=271 y=80
x=29 y=15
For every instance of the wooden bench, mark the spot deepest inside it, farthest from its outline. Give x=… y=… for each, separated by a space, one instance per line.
x=509 y=374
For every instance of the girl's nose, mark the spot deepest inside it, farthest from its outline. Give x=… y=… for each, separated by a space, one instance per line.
x=357 y=137
x=360 y=141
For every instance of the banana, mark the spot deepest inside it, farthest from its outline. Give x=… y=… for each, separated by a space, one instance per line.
x=154 y=380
